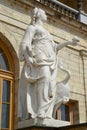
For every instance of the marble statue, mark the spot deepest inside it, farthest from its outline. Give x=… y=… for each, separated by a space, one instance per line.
x=62 y=90
x=39 y=94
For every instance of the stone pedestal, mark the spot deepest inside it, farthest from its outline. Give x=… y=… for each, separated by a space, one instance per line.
x=38 y=122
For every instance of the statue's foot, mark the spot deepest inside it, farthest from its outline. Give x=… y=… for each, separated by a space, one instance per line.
x=41 y=115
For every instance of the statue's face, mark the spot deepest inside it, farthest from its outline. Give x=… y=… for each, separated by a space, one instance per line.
x=44 y=16
x=39 y=14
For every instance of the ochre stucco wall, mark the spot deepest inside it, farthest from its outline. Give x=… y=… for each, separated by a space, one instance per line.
x=13 y=24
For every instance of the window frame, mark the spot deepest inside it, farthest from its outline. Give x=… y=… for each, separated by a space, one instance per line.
x=8 y=56
x=71 y=104
x=59 y=113
x=6 y=75
x=9 y=76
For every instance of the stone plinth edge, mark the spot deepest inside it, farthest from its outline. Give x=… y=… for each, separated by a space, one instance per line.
x=42 y=123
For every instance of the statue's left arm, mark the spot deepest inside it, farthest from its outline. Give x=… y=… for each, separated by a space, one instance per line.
x=74 y=42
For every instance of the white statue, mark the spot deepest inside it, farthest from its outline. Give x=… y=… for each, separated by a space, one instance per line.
x=62 y=90
x=38 y=92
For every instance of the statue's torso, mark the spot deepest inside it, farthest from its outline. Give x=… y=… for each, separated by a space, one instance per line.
x=43 y=46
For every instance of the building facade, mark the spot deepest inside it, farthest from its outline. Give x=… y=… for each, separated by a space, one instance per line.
x=65 y=19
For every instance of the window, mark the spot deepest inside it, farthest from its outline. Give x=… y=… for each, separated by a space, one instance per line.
x=6 y=90
x=65 y=112
x=3 y=61
x=69 y=112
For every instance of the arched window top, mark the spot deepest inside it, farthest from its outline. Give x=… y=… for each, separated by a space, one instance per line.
x=9 y=72
x=3 y=61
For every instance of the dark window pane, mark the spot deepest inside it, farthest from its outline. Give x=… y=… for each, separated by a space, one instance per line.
x=5 y=116
x=62 y=112
x=65 y=112
x=3 y=60
x=6 y=91
x=67 y=117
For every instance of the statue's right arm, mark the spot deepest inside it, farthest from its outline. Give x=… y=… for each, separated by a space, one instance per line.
x=26 y=43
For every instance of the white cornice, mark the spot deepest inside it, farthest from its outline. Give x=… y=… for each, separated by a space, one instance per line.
x=27 y=5
x=83 y=53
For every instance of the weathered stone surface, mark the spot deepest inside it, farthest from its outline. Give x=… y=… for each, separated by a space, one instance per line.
x=43 y=123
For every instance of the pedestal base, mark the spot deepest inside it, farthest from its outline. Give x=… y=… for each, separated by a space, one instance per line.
x=42 y=123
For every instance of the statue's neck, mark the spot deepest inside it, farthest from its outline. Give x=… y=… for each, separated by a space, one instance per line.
x=39 y=22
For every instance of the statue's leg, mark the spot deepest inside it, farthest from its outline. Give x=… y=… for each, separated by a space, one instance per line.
x=52 y=86
x=23 y=113
x=42 y=91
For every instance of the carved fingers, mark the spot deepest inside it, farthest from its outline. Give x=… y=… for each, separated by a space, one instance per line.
x=29 y=61
x=65 y=99
x=75 y=41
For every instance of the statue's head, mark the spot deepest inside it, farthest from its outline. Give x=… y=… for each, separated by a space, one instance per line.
x=38 y=13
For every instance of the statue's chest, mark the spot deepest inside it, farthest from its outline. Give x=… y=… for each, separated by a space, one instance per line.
x=40 y=32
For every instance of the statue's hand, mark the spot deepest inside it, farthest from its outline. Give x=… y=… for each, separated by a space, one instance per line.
x=75 y=41
x=65 y=99
x=29 y=61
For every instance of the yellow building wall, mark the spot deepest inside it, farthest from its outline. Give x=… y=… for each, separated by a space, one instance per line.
x=13 y=23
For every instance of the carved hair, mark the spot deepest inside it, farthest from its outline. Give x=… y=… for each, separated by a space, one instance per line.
x=37 y=13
